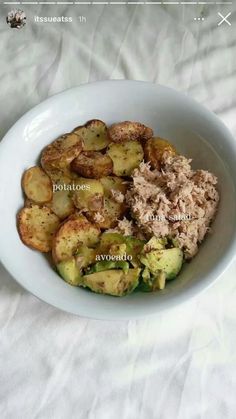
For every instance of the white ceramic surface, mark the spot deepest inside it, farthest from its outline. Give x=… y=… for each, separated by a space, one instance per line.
x=196 y=132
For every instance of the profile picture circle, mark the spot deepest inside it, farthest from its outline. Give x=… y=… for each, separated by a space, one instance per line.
x=16 y=19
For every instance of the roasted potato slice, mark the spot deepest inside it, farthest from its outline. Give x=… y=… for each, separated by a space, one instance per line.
x=89 y=194
x=127 y=131
x=62 y=204
x=37 y=185
x=112 y=212
x=37 y=226
x=154 y=149
x=94 y=135
x=57 y=177
x=76 y=230
x=92 y=164
x=56 y=157
x=28 y=203
x=109 y=215
x=125 y=156
x=113 y=183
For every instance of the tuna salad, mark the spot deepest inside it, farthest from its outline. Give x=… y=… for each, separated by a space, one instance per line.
x=118 y=208
x=174 y=201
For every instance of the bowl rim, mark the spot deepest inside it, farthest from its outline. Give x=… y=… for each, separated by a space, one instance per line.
x=186 y=294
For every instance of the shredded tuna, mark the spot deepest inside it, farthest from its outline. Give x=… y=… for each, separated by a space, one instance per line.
x=117 y=196
x=177 y=201
x=124 y=227
x=98 y=218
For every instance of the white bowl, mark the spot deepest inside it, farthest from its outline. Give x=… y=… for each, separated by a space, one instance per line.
x=196 y=132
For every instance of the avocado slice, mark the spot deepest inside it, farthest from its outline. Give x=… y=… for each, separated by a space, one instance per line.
x=118 y=249
x=133 y=247
x=169 y=260
x=70 y=272
x=155 y=244
x=113 y=282
x=84 y=256
x=117 y=244
x=146 y=274
x=152 y=283
x=109 y=239
x=109 y=264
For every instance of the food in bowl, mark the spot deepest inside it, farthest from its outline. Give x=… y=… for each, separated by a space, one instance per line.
x=118 y=208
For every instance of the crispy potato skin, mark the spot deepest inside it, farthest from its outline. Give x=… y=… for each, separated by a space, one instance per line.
x=128 y=131
x=74 y=231
x=37 y=226
x=58 y=177
x=28 y=203
x=154 y=149
x=58 y=155
x=94 y=135
x=36 y=185
x=92 y=164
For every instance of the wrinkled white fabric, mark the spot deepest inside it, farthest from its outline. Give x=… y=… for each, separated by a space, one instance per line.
x=182 y=364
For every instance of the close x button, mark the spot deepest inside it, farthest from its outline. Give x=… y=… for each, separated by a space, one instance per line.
x=224 y=19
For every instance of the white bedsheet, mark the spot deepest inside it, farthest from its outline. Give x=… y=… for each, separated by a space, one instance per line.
x=182 y=364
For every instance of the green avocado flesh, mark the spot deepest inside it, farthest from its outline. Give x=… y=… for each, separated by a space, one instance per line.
x=156 y=244
x=169 y=260
x=109 y=239
x=134 y=247
x=106 y=265
x=152 y=283
x=85 y=256
x=116 y=244
x=112 y=282
x=70 y=272
x=132 y=263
